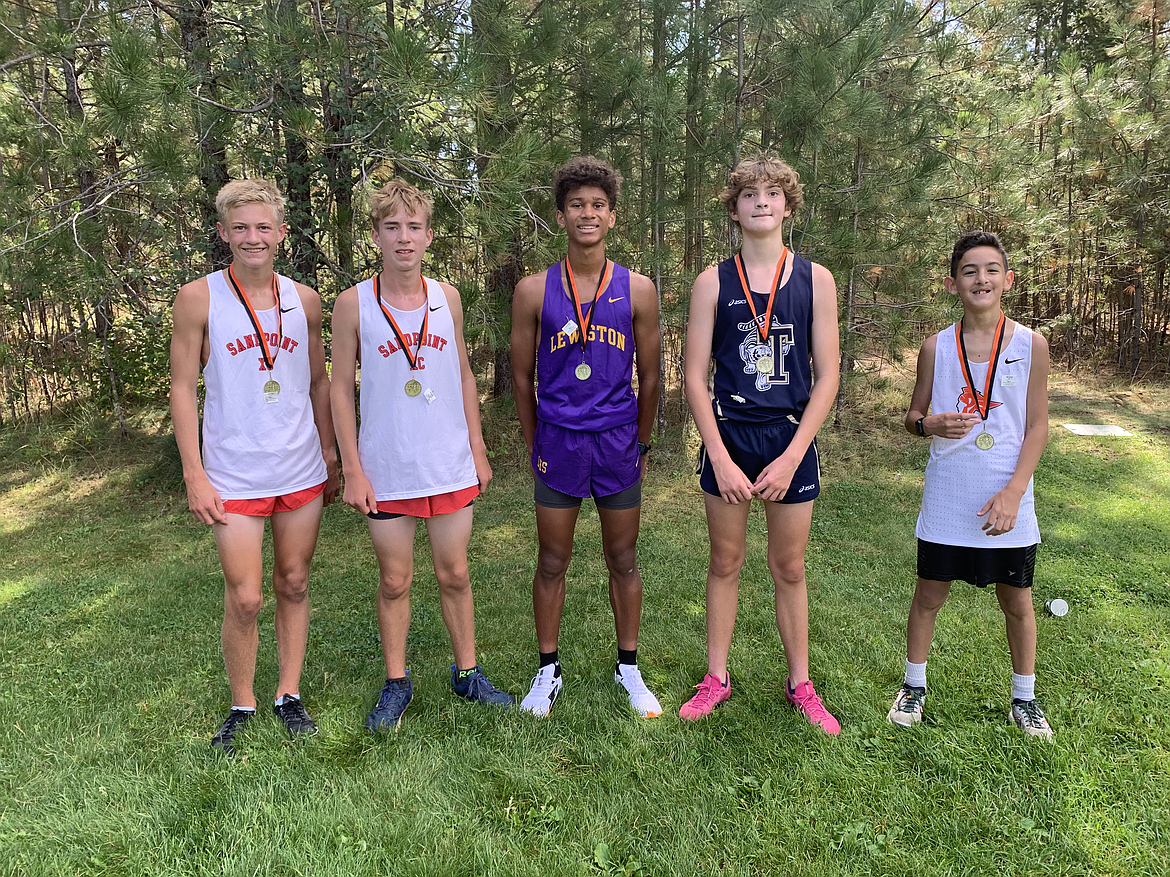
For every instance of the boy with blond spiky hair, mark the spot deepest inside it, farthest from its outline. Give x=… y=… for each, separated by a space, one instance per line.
x=420 y=450
x=268 y=449
x=767 y=318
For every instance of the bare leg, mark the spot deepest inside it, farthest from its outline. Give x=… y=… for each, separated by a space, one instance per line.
x=727 y=531
x=619 y=540
x=1016 y=604
x=294 y=537
x=449 y=535
x=554 y=529
x=788 y=528
x=929 y=597
x=238 y=542
x=394 y=546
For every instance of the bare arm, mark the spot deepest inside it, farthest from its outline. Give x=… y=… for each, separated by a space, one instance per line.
x=947 y=424
x=319 y=390
x=734 y=486
x=1003 y=508
x=483 y=469
x=358 y=492
x=648 y=350
x=527 y=301
x=826 y=361
x=189 y=351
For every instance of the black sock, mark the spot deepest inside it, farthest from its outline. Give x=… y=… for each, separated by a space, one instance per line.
x=397 y=681
x=628 y=656
x=547 y=658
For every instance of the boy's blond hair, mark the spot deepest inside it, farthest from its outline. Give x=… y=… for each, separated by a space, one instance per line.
x=763 y=168
x=236 y=193
x=399 y=195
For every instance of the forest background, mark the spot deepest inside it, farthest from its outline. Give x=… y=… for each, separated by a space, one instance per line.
x=909 y=123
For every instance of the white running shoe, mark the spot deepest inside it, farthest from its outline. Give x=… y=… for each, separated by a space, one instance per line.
x=644 y=703
x=546 y=685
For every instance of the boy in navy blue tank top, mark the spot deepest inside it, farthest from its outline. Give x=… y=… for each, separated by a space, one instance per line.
x=576 y=327
x=768 y=320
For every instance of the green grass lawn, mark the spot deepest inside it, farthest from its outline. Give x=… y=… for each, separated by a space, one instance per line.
x=111 y=598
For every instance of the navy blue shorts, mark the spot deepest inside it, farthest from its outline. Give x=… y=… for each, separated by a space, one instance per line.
x=752 y=448
x=978 y=566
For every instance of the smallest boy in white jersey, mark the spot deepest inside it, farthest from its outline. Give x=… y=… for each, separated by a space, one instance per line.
x=420 y=452
x=982 y=399
x=268 y=449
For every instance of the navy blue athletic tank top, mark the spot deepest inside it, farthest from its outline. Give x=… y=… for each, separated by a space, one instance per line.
x=739 y=390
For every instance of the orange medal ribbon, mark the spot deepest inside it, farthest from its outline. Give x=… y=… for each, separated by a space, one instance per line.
x=763 y=327
x=984 y=409
x=412 y=358
x=585 y=320
x=268 y=353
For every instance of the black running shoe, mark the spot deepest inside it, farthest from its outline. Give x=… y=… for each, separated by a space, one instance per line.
x=296 y=719
x=226 y=735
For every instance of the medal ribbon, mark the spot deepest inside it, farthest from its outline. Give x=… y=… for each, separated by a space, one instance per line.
x=269 y=354
x=985 y=409
x=584 y=321
x=764 y=328
x=412 y=358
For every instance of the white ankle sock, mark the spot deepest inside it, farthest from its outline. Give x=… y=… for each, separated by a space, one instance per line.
x=916 y=674
x=1023 y=687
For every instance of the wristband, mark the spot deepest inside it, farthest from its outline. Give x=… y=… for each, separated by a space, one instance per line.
x=643 y=448
x=919 y=427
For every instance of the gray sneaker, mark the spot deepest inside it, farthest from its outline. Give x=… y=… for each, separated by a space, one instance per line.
x=908 y=706
x=1029 y=718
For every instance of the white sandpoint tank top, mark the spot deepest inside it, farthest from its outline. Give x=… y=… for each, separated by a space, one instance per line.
x=960 y=477
x=253 y=448
x=412 y=446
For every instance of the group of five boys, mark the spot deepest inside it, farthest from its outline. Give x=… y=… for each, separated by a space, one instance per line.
x=762 y=324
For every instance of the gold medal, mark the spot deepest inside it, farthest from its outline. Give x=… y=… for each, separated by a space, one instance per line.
x=413 y=387
x=583 y=371
x=272 y=387
x=765 y=364
x=985 y=441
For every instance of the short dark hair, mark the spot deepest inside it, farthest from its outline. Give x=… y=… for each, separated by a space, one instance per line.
x=585 y=170
x=970 y=241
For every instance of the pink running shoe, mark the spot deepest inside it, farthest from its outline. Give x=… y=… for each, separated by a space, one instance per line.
x=805 y=698
x=710 y=693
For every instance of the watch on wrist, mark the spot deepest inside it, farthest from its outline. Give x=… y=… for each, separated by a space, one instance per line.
x=918 y=425
x=643 y=448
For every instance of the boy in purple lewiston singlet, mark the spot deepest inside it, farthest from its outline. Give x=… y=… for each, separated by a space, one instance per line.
x=575 y=327
x=761 y=316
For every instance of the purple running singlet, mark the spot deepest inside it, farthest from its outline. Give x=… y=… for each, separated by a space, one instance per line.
x=604 y=401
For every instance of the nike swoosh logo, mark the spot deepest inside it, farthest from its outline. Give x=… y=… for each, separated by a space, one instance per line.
x=437 y=307
x=1010 y=361
x=619 y=298
x=286 y=310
